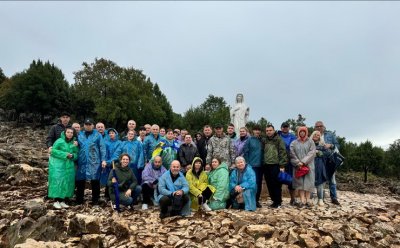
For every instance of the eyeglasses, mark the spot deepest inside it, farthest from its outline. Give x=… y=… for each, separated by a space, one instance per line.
x=318 y=126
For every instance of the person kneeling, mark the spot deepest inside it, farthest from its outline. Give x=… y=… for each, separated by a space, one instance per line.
x=242 y=186
x=124 y=181
x=173 y=192
x=197 y=178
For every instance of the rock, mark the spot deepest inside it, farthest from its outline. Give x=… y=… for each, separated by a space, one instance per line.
x=173 y=239
x=4 y=224
x=200 y=236
x=120 y=228
x=231 y=242
x=292 y=237
x=338 y=236
x=226 y=222
x=24 y=175
x=31 y=243
x=84 y=224
x=91 y=240
x=46 y=228
x=34 y=209
x=260 y=229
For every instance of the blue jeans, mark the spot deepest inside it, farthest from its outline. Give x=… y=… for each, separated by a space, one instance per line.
x=320 y=191
x=332 y=187
x=127 y=201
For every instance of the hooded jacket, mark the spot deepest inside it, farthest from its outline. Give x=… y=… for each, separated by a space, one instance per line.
x=135 y=151
x=92 y=151
x=62 y=169
x=218 y=180
x=197 y=183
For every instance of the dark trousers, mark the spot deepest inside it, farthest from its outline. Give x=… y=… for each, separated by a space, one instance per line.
x=271 y=172
x=176 y=204
x=259 y=177
x=207 y=193
x=80 y=190
x=148 y=193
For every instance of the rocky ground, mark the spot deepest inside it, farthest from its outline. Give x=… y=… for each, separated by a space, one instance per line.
x=369 y=219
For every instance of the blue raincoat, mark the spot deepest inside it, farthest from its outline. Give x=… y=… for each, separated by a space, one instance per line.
x=111 y=147
x=135 y=151
x=166 y=187
x=92 y=151
x=246 y=180
x=149 y=144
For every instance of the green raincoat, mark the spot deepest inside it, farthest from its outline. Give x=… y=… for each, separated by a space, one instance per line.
x=218 y=180
x=62 y=169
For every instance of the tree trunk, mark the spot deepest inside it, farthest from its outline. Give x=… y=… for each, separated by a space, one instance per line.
x=365 y=174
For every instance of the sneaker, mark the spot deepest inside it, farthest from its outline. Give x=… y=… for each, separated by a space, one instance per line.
x=206 y=207
x=64 y=205
x=275 y=205
x=336 y=202
x=145 y=206
x=57 y=205
x=258 y=205
x=321 y=202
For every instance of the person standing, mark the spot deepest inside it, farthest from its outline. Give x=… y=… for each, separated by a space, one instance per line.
x=187 y=152
x=331 y=144
x=101 y=129
x=320 y=164
x=231 y=132
x=302 y=153
x=151 y=141
x=202 y=144
x=275 y=160
x=221 y=146
x=253 y=155
x=91 y=159
x=241 y=141
x=288 y=138
x=57 y=129
x=130 y=126
x=62 y=168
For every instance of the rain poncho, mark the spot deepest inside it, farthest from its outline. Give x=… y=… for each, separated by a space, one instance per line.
x=62 y=169
x=247 y=180
x=197 y=184
x=167 y=150
x=111 y=147
x=135 y=151
x=92 y=151
x=149 y=144
x=218 y=180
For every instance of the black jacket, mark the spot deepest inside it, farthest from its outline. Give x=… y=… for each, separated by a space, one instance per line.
x=55 y=133
x=187 y=153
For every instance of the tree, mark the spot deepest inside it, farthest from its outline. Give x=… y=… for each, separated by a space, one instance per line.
x=368 y=158
x=212 y=111
x=114 y=94
x=2 y=76
x=392 y=159
x=298 y=122
x=262 y=122
x=40 y=90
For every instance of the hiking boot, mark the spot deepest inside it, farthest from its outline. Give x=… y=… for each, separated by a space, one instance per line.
x=336 y=202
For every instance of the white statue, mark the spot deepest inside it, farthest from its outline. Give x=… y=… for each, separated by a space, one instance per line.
x=239 y=113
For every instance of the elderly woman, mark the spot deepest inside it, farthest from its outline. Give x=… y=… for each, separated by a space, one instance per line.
x=218 y=180
x=128 y=187
x=320 y=162
x=62 y=168
x=242 y=186
x=199 y=191
x=302 y=153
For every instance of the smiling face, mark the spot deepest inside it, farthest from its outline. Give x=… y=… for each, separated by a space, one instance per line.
x=69 y=133
x=175 y=167
x=157 y=161
x=316 y=137
x=124 y=161
x=131 y=125
x=100 y=127
x=111 y=134
x=131 y=135
x=170 y=135
x=243 y=132
x=240 y=164
x=214 y=163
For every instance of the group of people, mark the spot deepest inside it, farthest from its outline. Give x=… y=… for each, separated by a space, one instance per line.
x=166 y=167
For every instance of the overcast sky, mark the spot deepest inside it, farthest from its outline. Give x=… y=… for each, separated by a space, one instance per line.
x=333 y=61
